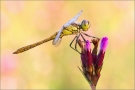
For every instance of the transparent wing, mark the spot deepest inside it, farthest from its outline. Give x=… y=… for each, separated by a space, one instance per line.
x=55 y=40
x=57 y=43
x=73 y=19
x=65 y=25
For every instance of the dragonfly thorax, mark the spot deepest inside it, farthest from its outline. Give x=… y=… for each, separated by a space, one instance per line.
x=85 y=25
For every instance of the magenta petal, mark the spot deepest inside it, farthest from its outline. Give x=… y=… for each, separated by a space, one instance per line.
x=104 y=44
x=87 y=46
x=86 y=56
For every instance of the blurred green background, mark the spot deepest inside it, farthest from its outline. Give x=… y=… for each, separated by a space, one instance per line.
x=49 y=67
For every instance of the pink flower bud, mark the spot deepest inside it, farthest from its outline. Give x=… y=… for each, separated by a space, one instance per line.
x=103 y=46
x=86 y=56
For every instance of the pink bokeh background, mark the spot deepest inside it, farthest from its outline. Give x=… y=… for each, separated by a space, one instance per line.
x=49 y=67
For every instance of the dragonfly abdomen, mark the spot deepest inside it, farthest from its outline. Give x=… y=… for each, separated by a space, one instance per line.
x=25 y=48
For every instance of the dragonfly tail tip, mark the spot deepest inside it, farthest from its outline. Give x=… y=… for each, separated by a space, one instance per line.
x=14 y=52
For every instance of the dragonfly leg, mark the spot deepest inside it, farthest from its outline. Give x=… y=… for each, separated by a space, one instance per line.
x=77 y=41
x=89 y=35
x=72 y=43
x=83 y=37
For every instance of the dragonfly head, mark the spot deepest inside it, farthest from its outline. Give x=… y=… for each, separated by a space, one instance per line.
x=85 y=25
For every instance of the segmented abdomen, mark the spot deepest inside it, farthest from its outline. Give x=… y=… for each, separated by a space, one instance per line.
x=25 y=48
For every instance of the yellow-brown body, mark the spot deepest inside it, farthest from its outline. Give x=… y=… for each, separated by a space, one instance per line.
x=70 y=30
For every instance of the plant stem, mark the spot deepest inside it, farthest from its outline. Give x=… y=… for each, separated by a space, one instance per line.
x=93 y=87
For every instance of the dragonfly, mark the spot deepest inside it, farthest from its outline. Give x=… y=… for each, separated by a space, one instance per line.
x=70 y=28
